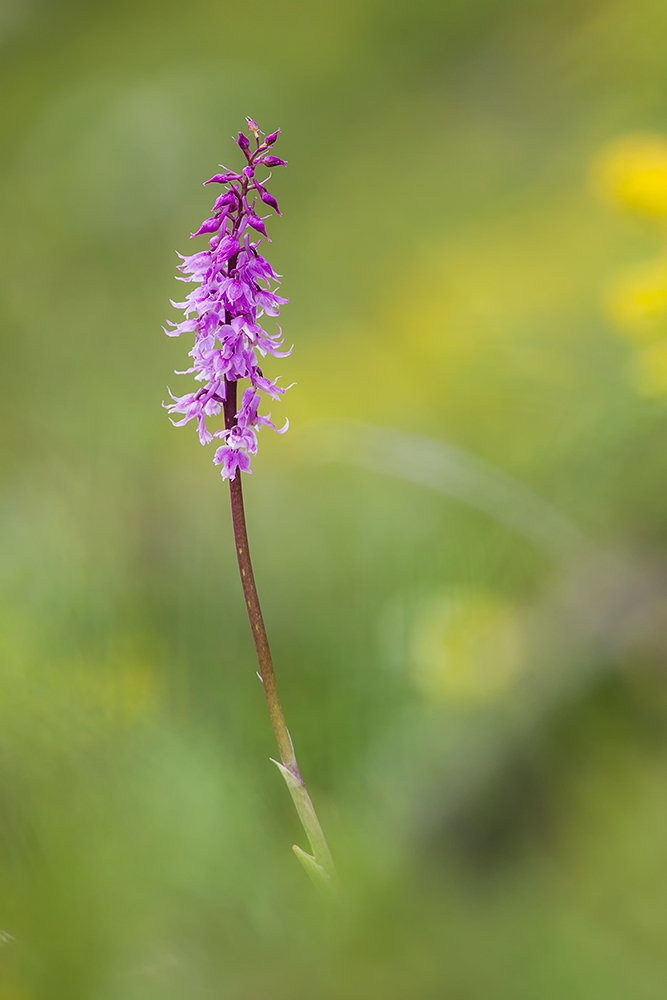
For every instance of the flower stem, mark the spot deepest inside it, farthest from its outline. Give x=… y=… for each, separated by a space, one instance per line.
x=320 y=865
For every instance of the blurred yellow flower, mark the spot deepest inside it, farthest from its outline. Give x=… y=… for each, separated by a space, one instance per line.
x=652 y=369
x=632 y=172
x=637 y=306
x=466 y=648
x=637 y=301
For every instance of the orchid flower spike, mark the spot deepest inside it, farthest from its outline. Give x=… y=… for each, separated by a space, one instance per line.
x=236 y=288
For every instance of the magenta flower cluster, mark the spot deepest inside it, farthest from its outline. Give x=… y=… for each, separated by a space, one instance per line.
x=236 y=288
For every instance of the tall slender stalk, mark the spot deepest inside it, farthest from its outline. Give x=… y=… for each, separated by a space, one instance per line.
x=237 y=287
x=319 y=865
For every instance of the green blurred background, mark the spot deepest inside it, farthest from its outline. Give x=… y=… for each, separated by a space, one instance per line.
x=469 y=622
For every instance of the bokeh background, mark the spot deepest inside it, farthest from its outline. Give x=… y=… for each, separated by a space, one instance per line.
x=461 y=544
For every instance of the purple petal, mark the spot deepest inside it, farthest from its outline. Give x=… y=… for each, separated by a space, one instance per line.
x=228 y=247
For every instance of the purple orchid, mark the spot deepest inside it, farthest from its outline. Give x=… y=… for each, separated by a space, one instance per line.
x=236 y=288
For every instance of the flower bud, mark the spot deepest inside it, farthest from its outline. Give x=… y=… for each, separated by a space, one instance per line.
x=228 y=198
x=222 y=178
x=273 y=161
x=257 y=223
x=268 y=199
x=243 y=141
x=208 y=226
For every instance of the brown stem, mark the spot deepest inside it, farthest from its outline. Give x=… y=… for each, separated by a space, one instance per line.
x=320 y=866
x=259 y=635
